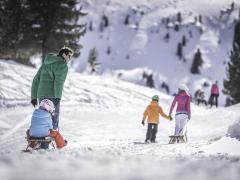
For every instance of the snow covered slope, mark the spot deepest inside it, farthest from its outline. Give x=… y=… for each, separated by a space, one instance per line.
x=104 y=91
x=141 y=43
x=100 y=118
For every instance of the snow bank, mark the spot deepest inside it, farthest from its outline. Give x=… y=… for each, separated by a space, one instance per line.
x=234 y=130
x=225 y=145
x=228 y=141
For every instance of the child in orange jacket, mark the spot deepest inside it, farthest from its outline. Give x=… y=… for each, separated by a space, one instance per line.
x=152 y=112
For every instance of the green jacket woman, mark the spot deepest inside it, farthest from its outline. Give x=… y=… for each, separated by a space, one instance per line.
x=50 y=78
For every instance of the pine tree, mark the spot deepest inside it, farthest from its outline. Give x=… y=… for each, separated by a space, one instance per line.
x=232 y=6
x=190 y=34
x=90 y=26
x=195 y=19
x=231 y=84
x=126 y=21
x=184 y=40
x=105 y=21
x=109 y=50
x=136 y=25
x=167 y=22
x=176 y=27
x=93 y=60
x=167 y=37
x=14 y=31
x=200 y=30
x=179 y=17
x=179 y=52
x=197 y=62
x=200 y=18
x=29 y=27
x=101 y=27
x=55 y=24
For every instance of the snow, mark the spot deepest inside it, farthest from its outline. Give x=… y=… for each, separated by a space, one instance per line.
x=101 y=119
x=234 y=130
x=101 y=114
x=134 y=76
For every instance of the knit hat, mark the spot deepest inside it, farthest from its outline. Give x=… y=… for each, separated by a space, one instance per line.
x=47 y=105
x=155 y=98
x=184 y=88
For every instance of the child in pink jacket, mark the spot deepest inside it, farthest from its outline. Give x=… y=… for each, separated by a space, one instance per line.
x=183 y=112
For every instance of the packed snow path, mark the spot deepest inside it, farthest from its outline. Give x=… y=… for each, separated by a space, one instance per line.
x=106 y=144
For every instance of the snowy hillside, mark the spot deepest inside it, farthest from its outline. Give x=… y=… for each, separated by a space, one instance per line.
x=100 y=118
x=141 y=42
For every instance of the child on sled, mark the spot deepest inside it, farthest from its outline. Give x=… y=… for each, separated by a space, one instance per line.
x=41 y=126
x=152 y=112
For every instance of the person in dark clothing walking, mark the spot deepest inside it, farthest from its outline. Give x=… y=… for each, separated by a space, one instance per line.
x=152 y=112
x=214 y=94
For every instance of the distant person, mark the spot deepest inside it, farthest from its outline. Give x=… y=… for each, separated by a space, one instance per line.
x=41 y=125
x=49 y=80
x=213 y=100
x=152 y=113
x=196 y=95
x=183 y=112
x=166 y=87
x=200 y=98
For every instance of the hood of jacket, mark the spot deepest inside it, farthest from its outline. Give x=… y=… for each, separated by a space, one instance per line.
x=52 y=58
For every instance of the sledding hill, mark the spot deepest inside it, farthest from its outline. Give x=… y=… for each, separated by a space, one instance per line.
x=100 y=117
x=132 y=34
